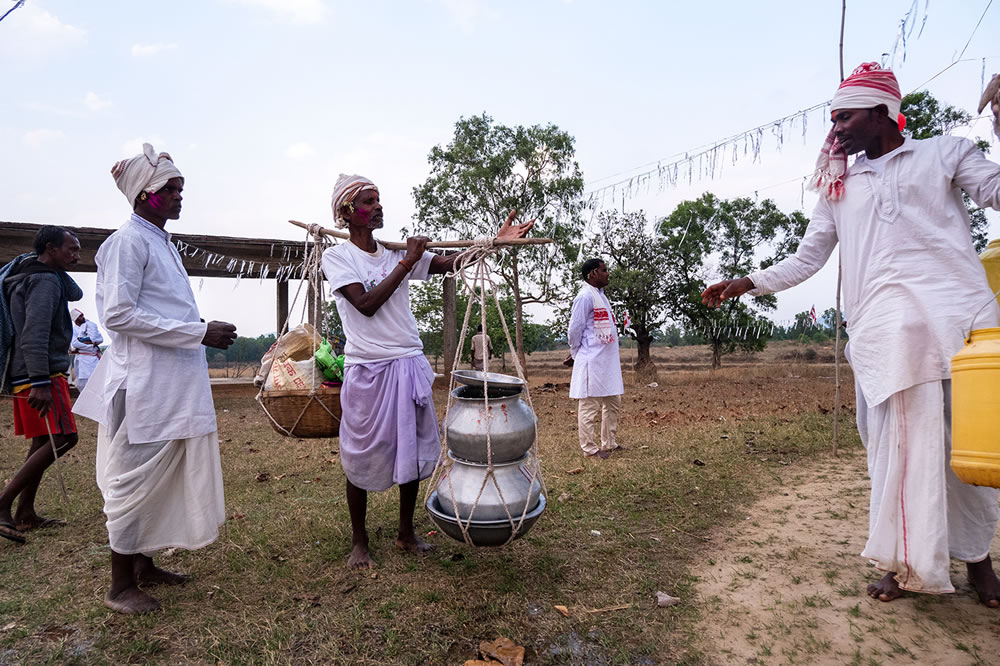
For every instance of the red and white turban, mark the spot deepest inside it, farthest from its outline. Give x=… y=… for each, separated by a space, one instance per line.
x=868 y=86
x=344 y=192
x=147 y=172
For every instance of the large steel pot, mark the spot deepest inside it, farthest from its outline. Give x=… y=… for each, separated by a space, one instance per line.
x=464 y=479
x=508 y=419
x=482 y=532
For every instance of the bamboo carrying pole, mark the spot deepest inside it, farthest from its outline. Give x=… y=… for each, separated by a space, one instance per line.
x=394 y=245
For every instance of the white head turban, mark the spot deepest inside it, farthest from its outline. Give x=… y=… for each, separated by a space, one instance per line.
x=76 y=314
x=344 y=191
x=147 y=172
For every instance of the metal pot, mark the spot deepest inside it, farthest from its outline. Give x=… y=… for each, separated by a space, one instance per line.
x=464 y=479
x=483 y=532
x=508 y=419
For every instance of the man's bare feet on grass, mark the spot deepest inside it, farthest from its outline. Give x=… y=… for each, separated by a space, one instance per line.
x=985 y=581
x=411 y=543
x=131 y=601
x=360 y=558
x=886 y=589
x=148 y=574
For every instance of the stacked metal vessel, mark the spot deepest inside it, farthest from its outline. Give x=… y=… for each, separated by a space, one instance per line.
x=489 y=506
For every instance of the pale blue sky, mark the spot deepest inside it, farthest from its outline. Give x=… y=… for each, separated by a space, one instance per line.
x=263 y=102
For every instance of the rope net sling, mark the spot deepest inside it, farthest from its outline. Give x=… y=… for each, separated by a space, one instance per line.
x=312 y=270
x=477 y=283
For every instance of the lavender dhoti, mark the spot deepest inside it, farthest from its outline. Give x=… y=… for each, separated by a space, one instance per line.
x=389 y=431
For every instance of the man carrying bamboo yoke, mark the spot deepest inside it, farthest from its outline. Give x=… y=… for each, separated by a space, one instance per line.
x=388 y=431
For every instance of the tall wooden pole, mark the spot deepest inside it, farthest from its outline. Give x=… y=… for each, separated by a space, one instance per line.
x=840 y=274
x=282 y=305
x=450 y=323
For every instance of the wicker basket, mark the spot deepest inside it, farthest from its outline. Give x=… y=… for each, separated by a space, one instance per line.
x=286 y=411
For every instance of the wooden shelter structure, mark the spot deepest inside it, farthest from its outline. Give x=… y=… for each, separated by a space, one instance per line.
x=219 y=257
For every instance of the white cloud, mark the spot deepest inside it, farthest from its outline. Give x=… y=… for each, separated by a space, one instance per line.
x=32 y=32
x=134 y=147
x=299 y=150
x=94 y=102
x=293 y=11
x=144 y=50
x=468 y=13
x=37 y=138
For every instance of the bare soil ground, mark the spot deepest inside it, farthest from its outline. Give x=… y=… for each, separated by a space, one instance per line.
x=786 y=586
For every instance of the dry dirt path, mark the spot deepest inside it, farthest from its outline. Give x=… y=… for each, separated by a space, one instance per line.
x=787 y=586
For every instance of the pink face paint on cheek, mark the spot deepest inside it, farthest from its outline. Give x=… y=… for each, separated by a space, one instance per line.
x=155 y=201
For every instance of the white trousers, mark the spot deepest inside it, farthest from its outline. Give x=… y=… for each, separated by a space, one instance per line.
x=920 y=513
x=589 y=410
x=160 y=494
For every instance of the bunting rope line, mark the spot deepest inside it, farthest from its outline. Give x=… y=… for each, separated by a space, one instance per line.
x=471 y=267
x=241 y=267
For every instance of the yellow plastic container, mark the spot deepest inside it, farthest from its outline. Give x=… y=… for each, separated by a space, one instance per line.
x=991 y=262
x=975 y=409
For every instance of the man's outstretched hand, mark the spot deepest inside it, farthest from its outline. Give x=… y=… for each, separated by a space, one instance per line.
x=219 y=335
x=511 y=231
x=723 y=291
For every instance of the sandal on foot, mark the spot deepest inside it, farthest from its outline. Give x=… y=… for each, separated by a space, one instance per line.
x=8 y=531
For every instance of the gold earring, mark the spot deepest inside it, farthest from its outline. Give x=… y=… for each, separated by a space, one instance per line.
x=350 y=207
x=143 y=196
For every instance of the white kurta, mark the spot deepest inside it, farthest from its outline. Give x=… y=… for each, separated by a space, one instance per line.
x=85 y=353
x=145 y=303
x=597 y=368
x=912 y=283
x=158 y=462
x=912 y=280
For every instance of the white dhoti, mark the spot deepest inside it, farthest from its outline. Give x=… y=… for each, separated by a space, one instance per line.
x=920 y=513
x=83 y=368
x=160 y=494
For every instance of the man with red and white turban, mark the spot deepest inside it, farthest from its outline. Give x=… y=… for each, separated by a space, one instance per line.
x=912 y=284
x=389 y=431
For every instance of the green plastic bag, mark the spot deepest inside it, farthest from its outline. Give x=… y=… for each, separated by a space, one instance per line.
x=332 y=367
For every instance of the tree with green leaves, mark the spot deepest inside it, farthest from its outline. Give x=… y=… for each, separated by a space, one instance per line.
x=426 y=301
x=489 y=169
x=638 y=283
x=926 y=117
x=711 y=239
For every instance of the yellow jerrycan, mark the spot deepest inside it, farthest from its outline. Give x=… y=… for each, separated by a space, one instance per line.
x=991 y=262
x=975 y=409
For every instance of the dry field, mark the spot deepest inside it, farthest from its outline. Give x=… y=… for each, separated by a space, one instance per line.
x=704 y=447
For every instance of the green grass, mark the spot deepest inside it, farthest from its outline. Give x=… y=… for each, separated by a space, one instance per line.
x=274 y=587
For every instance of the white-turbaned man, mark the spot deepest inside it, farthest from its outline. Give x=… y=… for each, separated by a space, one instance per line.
x=157 y=447
x=389 y=431
x=912 y=283
x=85 y=348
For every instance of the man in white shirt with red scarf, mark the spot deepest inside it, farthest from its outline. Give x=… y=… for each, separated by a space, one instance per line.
x=597 y=370
x=912 y=284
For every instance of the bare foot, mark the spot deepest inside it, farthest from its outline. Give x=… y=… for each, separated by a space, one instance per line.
x=985 y=581
x=360 y=557
x=886 y=589
x=411 y=543
x=153 y=575
x=131 y=601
